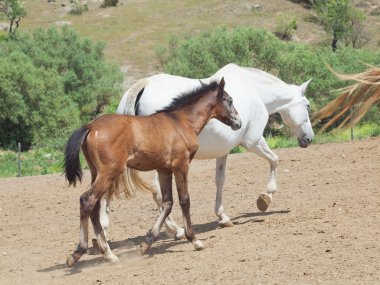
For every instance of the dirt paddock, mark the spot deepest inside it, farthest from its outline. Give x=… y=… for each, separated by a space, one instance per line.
x=323 y=227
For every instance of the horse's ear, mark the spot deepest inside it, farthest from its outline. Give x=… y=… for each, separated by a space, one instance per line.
x=304 y=85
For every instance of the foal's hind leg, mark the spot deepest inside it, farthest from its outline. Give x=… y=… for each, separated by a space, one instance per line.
x=87 y=204
x=100 y=234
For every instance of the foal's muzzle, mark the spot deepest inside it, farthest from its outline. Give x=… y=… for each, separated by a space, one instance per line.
x=236 y=123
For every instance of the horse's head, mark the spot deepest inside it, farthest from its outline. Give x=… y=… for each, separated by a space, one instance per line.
x=295 y=115
x=225 y=110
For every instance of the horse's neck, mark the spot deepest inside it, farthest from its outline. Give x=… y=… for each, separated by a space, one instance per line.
x=275 y=96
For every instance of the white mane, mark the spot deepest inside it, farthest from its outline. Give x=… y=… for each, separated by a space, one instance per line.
x=265 y=76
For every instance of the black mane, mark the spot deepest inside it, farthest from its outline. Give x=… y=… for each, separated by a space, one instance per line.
x=189 y=97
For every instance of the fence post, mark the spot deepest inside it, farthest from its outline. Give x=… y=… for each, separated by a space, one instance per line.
x=351 y=122
x=19 y=160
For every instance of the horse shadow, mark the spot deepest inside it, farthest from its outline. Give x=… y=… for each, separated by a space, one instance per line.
x=164 y=244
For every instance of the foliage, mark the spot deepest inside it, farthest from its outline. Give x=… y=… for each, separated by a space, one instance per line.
x=52 y=82
x=202 y=55
x=13 y=11
x=285 y=26
x=78 y=8
x=109 y=3
x=342 y=21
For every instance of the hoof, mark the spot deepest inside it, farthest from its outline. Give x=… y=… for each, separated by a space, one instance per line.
x=263 y=202
x=70 y=261
x=198 y=245
x=112 y=259
x=180 y=234
x=225 y=223
x=144 y=247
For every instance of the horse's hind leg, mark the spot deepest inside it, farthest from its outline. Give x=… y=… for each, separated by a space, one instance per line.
x=170 y=224
x=220 y=171
x=100 y=234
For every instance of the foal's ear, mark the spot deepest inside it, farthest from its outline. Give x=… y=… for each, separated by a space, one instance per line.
x=221 y=87
x=221 y=84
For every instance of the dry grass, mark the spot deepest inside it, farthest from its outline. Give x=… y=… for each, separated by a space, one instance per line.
x=134 y=28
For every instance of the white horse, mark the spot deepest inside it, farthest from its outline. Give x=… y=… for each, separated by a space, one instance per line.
x=256 y=95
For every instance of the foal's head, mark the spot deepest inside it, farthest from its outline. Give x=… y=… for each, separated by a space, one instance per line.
x=225 y=110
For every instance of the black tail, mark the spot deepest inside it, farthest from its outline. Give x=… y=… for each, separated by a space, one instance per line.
x=73 y=169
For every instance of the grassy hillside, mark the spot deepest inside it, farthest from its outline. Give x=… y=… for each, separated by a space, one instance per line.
x=134 y=29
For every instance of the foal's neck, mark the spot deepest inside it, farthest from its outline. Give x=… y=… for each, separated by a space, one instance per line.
x=197 y=115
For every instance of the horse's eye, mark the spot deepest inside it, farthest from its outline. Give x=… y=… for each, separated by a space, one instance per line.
x=308 y=108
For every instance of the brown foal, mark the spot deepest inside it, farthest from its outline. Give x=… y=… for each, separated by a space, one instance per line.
x=115 y=146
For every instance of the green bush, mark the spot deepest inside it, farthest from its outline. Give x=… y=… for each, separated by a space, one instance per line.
x=285 y=26
x=109 y=3
x=51 y=82
x=78 y=8
x=202 y=55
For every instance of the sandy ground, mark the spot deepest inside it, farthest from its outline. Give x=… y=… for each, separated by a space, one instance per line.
x=323 y=227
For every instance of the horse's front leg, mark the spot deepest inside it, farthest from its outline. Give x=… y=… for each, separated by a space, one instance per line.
x=220 y=172
x=165 y=179
x=170 y=224
x=262 y=149
x=184 y=201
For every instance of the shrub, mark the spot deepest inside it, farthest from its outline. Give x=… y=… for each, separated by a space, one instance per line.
x=52 y=82
x=78 y=8
x=109 y=3
x=285 y=26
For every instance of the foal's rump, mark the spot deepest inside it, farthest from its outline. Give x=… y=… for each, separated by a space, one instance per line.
x=125 y=180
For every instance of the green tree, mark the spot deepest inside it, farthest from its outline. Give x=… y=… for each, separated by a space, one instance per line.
x=341 y=20
x=52 y=82
x=13 y=11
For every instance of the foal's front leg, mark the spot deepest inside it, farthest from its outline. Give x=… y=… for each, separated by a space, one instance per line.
x=165 y=179
x=170 y=224
x=184 y=201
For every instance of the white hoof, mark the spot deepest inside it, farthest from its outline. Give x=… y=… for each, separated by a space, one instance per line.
x=198 y=245
x=263 y=201
x=180 y=234
x=111 y=258
x=225 y=222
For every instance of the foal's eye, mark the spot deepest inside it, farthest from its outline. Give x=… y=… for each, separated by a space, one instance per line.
x=230 y=101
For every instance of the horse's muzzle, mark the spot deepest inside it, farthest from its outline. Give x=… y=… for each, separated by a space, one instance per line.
x=304 y=142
